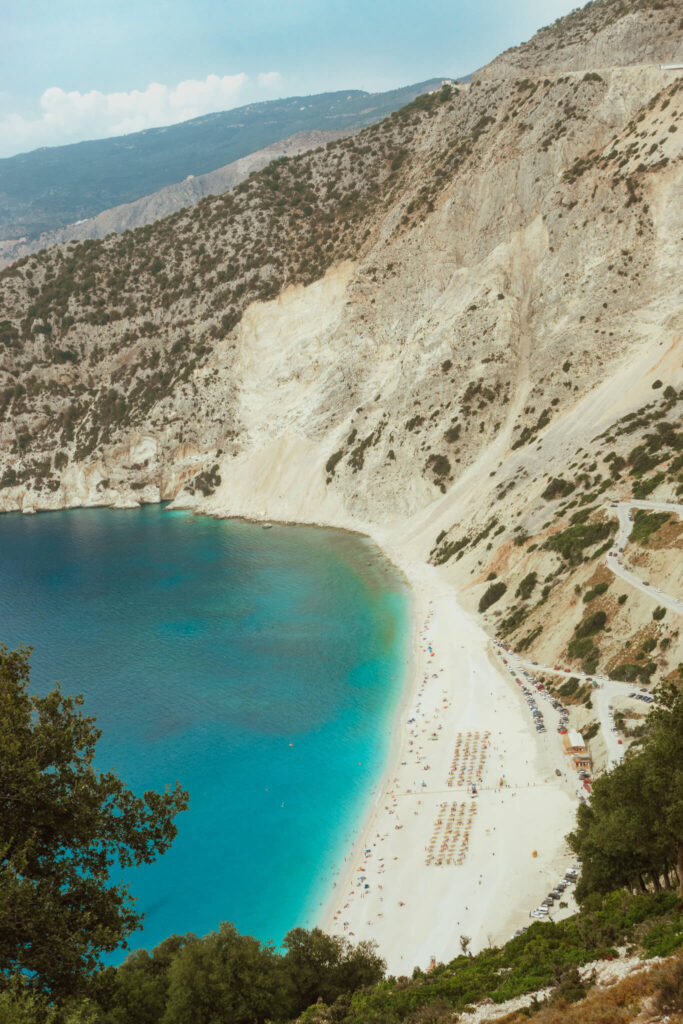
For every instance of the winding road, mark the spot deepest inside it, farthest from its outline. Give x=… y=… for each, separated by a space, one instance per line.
x=625 y=527
x=605 y=688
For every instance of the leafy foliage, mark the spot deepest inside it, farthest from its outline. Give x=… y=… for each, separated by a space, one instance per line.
x=46 y=189
x=63 y=825
x=572 y=542
x=634 y=823
x=526 y=586
x=645 y=524
x=491 y=595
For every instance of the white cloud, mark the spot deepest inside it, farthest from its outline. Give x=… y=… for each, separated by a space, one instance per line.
x=270 y=80
x=73 y=116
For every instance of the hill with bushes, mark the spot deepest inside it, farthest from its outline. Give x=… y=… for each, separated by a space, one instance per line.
x=50 y=188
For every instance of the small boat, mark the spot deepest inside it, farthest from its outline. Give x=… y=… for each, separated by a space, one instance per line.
x=267 y=526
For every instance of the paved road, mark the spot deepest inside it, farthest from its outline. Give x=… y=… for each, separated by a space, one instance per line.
x=606 y=689
x=516 y=667
x=602 y=697
x=616 y=551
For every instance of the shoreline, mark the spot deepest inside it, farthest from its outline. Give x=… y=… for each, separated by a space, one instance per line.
x=523 y=812
x=513 y=815
x=410 y=669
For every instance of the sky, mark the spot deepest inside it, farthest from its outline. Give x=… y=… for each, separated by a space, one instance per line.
x=82 y=69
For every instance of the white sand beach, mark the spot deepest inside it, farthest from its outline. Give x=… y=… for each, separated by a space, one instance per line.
x=502 y=849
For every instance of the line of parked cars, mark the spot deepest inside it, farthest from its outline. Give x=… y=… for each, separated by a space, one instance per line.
x=533 y=707
x=543 y=909
x=526 y=692
x=642 y=696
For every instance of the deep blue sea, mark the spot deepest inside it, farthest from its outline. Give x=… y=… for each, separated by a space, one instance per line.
x=260 y=668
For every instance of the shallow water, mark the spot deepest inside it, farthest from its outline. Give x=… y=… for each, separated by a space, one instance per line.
x=260 y=668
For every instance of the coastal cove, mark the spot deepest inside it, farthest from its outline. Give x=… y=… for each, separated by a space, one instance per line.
x=263 y=669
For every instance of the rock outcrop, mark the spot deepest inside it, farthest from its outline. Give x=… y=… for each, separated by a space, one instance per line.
x=415 y=328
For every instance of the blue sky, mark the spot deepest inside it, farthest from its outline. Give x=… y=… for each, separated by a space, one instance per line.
x=75 y=69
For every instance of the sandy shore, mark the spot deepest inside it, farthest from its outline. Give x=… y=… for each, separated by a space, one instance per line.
x=462 y=723
x=384 y=889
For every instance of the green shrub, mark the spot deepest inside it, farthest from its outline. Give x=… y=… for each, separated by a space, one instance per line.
x=527 y=640
x=665 y=937
x=331 y=463
x=598 y=589
x=626 y=673
x=645 y=487
x=645 y=524
x=591 y=625
x=439 y=465
x=580 y=647
x=491 y=595
x=511 y=622
x=570 y=687
x=590 y=664
x=571 y=543
x=526 y=586
x=450 y=548
x=558 y=488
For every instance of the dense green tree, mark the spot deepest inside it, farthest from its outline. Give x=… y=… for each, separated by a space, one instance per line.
x=136 y=992
x=325 y=966
x=63 y=826
x=634 y=823
x=228 y=977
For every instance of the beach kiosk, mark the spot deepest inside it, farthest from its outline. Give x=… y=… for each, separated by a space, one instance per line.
x=575 y=748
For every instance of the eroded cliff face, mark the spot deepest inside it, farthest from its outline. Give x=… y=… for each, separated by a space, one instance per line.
x=411 y=330
x=602 y=34
x=527 y=225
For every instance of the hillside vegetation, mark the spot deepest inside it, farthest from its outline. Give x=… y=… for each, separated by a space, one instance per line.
x=600 y=34
x=459 y=330
x=461 y=323
x=51 y=187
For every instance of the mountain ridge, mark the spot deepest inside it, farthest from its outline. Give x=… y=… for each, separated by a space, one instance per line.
x=375 y=335
x=55 y=186
x=167 y=200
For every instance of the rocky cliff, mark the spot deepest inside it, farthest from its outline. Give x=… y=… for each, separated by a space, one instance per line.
x=602 y=34
x=413 y=329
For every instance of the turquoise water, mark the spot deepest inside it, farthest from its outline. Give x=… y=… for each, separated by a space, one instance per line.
x=260 y=668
